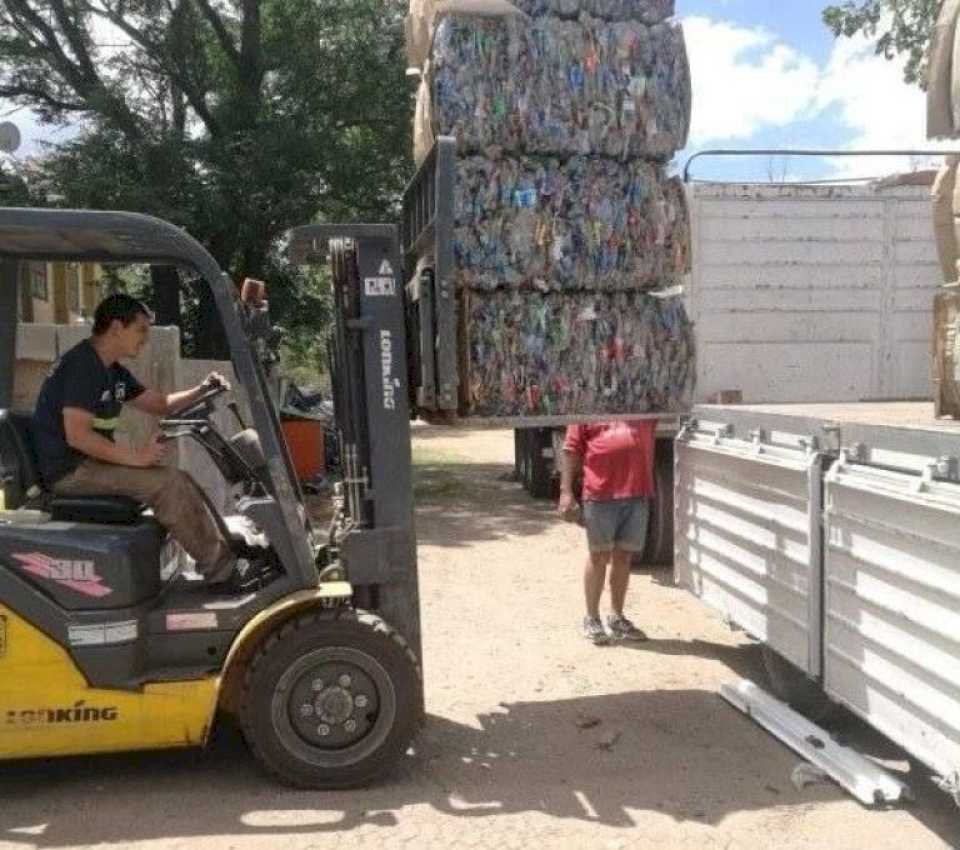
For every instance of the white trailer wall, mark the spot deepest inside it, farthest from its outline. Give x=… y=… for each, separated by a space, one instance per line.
x=812 y=293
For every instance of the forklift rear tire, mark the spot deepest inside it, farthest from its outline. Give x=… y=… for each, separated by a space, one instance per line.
x=331 y=700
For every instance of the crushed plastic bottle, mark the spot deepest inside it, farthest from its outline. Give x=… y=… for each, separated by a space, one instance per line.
x=558 y=87
x=532 y=354
x=422 y=18
x=646 y=11
x=582 y=223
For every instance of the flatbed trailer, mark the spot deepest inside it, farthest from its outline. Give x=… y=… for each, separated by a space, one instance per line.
x=831 y=533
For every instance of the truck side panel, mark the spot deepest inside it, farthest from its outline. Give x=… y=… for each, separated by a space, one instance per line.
x=747 y=539
x=892 y=606
x=812 y=293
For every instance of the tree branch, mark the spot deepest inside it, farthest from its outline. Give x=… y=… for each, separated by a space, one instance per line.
x=44 y=97
x=80 y=75
x=156 y=51
x=220 y=30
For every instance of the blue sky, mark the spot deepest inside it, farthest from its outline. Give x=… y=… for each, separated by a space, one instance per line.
x=797 y=22
x=769 y=74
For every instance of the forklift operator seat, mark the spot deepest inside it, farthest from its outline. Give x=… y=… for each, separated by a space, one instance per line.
x=19 y=477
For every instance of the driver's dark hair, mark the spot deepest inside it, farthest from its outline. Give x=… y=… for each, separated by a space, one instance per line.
x=120 y=307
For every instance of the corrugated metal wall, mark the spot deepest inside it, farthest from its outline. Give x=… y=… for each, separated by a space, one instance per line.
x=747 y=536
x=892 y=606
x=809 y=293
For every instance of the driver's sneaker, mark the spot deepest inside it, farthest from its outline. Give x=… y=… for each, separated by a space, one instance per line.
x=593 y=630
x=622 y=629
x=224 y=577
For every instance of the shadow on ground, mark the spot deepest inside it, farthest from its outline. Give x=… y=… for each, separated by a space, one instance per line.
x=423 y=431
x=458 y=504
x=600 y=759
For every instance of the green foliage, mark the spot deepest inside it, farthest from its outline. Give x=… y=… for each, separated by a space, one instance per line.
x=236 y=119
x=14 y=190
x=898 y=27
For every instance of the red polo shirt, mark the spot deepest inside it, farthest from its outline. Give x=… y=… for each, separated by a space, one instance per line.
x=617 y=458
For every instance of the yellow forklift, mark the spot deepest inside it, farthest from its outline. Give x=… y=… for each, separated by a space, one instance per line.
x=106 y=646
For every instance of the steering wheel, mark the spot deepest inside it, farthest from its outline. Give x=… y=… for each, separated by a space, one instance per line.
x=197 y=413
x=201 y=407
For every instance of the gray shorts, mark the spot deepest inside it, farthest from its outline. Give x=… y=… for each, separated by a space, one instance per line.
x=618 y=524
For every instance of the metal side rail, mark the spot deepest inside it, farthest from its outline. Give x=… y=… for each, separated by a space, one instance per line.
x=865 y=780
x=426 y=245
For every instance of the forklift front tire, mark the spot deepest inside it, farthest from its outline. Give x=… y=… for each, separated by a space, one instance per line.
x=330 y=700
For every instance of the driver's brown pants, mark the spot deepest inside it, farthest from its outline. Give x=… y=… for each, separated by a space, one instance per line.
x=174 y=496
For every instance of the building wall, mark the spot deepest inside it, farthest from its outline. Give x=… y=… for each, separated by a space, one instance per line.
x=59 y=293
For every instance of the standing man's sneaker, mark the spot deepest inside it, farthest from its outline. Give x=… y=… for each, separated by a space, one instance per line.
x=622 y=629
x=593 y=630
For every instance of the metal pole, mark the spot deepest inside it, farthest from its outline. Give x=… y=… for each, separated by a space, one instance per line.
x=807 y=152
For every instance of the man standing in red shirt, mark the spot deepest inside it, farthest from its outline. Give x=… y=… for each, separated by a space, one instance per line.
x=617 y=463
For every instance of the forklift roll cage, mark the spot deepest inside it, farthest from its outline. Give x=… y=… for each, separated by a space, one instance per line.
x=115 y=237
x=377 y=548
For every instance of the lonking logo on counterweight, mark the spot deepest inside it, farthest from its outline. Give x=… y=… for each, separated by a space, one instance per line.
x=79 y=712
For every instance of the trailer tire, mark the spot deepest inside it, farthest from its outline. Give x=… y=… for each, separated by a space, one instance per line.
x=518 y=457
x=658 y=551
x=791 y=685
x=541 y=468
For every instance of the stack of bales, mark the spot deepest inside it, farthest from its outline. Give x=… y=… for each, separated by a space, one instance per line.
x=567 y=230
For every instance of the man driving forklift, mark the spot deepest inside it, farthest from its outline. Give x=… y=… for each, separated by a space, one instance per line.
x=74 y=423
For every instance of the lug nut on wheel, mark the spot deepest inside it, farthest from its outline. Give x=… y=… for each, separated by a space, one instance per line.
x=318 y=685
x=345 y=681
x=350 y=725
x=323 y=730
x=360 y=701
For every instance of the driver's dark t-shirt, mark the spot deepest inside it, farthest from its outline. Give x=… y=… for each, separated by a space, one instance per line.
x=78 y=379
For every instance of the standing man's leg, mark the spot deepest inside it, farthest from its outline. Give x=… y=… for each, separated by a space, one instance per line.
x=631 y=538
x=594 y=575
x=599 y=521
x=619 y=579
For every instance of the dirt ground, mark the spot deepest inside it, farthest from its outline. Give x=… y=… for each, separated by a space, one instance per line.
x=534 y=738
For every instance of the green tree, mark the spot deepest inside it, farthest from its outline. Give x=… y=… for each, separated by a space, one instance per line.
x=14 y=191
x=897 y=26
x=236 y=119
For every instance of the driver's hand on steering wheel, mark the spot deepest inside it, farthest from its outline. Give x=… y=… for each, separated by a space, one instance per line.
x=215 y=380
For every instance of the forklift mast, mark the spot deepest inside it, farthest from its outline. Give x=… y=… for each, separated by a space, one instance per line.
x=368 y=363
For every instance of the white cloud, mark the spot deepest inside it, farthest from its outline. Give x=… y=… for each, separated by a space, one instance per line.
x=880 y=109
x=744 y=80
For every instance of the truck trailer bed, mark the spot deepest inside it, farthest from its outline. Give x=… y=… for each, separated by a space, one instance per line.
x=917 y=415
x=831 y=533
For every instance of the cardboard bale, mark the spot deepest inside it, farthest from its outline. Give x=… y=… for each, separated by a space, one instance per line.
x=946 y=352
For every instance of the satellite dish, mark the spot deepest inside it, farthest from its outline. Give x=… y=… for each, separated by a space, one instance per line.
x=9 y=137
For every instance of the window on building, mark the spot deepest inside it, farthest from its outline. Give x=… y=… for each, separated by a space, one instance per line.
x=39 y=287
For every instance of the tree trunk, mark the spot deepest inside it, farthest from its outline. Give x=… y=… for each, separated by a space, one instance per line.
x=166 y=294
x=211 y=340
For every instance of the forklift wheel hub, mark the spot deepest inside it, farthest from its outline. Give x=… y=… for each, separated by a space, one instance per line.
x=334 y=705
x=334 y=698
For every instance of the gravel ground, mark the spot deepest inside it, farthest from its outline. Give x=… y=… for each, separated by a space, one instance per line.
x=534 y=738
